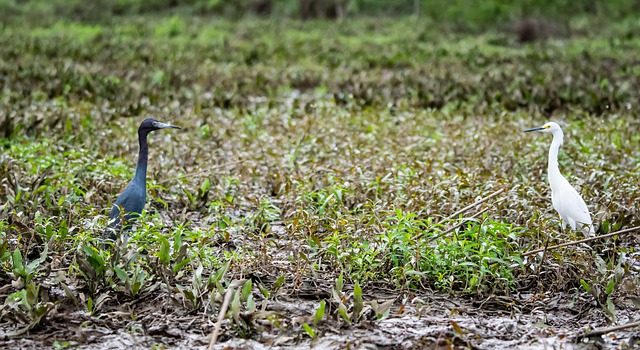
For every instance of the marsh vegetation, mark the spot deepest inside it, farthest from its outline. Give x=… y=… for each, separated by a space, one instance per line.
x=319 y=181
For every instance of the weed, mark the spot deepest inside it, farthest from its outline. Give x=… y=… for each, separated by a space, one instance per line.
x=334 y=155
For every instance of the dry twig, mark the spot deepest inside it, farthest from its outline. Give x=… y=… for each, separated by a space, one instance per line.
x=601 y=331
x=585 y=240
x=475 y=204
x=223 y=312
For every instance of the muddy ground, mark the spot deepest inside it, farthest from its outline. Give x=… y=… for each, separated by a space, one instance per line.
x=428 y=320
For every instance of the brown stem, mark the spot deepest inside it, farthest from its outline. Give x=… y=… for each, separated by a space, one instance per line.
x=475 y=204
x=582 y=240
x=223 y=311
x=601 y=331
x=456 y=226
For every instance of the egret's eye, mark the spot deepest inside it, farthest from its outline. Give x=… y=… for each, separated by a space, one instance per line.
x=547 y=126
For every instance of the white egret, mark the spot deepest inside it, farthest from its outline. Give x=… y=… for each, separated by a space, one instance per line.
x=566 y=200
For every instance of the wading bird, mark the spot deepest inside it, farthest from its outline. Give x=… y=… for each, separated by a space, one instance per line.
x=566 y=200
x=134 y=196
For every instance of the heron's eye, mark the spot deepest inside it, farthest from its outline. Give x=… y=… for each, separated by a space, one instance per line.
x=547 y=126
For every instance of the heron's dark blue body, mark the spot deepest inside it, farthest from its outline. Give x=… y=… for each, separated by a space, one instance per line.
x=134 y=196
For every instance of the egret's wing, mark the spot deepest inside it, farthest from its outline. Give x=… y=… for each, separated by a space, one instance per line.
x=572 y=204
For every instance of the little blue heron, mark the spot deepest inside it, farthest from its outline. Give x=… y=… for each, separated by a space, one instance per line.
x=566 y=200
x=134 y=196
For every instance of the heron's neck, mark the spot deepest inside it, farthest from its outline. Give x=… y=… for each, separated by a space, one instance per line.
x=141 y=169
x=552 y=168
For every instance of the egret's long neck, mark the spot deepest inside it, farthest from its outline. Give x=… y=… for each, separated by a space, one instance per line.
x=552 y=168
x=141 y=169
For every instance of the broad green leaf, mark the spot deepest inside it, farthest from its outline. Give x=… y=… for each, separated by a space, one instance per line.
x=18 y=268
x=319 y=314
x=585 y=285
x=339 y=283
x=246 y=290
x=610 y=286
x=342 y=310
x=358 y=303
x=164 y=252
x=121 y=274
x=309 y=331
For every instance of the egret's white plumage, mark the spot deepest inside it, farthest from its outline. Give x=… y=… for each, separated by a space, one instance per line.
x=566 y=200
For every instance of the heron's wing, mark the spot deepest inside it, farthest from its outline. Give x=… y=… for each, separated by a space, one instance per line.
x=114 y=212
x=132 y=200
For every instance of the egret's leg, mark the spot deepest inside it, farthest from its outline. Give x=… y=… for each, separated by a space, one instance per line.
x=572 y=223
x=563 y=223
x=588 y=230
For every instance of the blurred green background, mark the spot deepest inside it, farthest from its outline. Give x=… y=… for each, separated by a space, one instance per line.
x=465 y=14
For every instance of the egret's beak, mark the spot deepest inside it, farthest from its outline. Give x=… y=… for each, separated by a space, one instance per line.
x=160 y=125
x=534 y=129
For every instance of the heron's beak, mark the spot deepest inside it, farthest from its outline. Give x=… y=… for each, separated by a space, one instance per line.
x=165 y=126
x=534 y=129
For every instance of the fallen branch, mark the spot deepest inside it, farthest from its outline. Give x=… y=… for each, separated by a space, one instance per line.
x=223 y=312
x=460 y=212
x=475 y=204
x=585 y=240
x=601 y=331
x=456 y=226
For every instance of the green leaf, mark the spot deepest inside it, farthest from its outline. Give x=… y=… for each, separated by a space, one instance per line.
x=358 y=303
x=235 y=307
x=95 y=259
x=205 y=187
x=163 y=254
x=264 y=291
x=4 y=255
x=189 y=295
x=277 y=285
x=18 y=268
x=610 y=286
x=251 y=304
x=342 y=310
x=48 y=231
x=319 y=314
x=121 y=274
x=611 y=309
x=177 y=242
x=177 y=267
x=90 y=305
x=192 y=199
x=220 y=273
x=246 y=290
x=339 y=283
x=139 y=276
x=585 y=285
x=309 y=331
x=63 y=230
